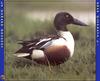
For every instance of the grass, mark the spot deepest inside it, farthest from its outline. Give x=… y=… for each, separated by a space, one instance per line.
x=80 y=67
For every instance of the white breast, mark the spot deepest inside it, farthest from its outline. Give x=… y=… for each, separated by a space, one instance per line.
x=69 y=40
x=58 y=42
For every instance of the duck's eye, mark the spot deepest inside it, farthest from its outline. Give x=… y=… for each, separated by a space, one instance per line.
x=67 y=16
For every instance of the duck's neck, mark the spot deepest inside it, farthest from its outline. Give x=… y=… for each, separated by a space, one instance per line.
x=61 y=28
x=66 y=35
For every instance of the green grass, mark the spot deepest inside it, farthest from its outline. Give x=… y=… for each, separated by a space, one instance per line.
x=80 y=67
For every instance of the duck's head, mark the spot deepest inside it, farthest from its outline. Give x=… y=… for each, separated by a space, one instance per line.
x=63 y=18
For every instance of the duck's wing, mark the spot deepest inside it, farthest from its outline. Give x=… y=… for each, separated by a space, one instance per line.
x=28 y=46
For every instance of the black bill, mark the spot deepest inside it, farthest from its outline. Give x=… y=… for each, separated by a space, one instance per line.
x=78 y=22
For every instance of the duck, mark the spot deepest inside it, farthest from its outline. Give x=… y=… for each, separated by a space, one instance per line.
x=52 y=50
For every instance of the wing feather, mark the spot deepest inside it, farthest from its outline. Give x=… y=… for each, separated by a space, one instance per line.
x=29 y=46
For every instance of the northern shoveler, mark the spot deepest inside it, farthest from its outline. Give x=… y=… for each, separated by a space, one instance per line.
x=52 y=50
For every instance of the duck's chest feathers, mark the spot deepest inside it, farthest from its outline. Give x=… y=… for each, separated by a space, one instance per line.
x=69 y=40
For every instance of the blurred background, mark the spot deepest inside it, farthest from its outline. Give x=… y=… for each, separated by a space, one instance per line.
x=29 y=19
